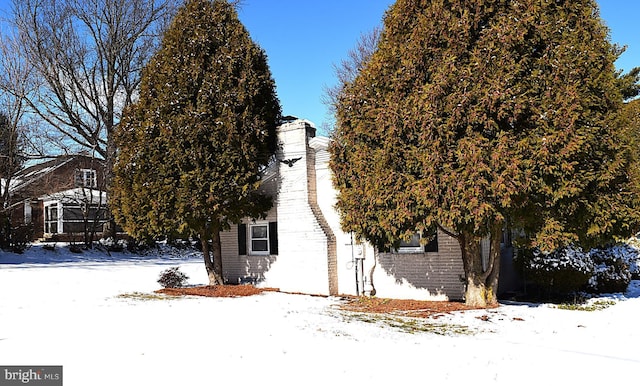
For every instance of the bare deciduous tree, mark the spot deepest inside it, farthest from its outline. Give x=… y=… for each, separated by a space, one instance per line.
x=349 y=67
x=87 y=56
x=14 y=85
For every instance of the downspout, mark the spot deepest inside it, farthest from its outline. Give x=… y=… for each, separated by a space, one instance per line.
x=373 y=268
x=355 y=266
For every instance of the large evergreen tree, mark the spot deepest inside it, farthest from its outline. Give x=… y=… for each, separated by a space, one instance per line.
x=471 y=114
x=192 y=149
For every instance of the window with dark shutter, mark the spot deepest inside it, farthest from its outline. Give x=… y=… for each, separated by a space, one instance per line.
x=432 y=246
x=415 y=244
x=259 y=243
x=412 y=245
x=242 y=239
x=273 y=238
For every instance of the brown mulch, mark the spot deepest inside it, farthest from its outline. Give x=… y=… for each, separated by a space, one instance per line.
x=413 y=308
x=218 y=291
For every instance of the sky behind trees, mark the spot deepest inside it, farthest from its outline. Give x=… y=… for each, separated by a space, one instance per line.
x=303 y=39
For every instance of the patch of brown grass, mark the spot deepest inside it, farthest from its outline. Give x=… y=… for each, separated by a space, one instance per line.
x=404 y=307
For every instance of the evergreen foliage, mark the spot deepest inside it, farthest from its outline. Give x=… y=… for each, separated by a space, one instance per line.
x=562 y=272
x=472 y=114
x=192 y=149
x=173 y=278
x=629 y=83
x=612 y=273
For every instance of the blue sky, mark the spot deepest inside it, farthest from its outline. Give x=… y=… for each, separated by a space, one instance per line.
x=304 y=38
x=621 y=16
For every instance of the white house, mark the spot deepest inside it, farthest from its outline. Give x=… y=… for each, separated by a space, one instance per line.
x=300 y=246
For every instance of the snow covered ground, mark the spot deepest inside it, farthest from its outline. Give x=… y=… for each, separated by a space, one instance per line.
x=62 y=309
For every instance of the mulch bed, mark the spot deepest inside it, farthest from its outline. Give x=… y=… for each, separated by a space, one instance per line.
x=413 y=308
x=218 y=291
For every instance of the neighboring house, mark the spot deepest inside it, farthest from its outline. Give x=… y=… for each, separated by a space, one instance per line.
x=300 y=246
x=60 y=199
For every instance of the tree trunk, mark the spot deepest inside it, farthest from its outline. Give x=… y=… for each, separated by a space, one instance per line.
x=217 y=255
x=481 y=281
x=213 y=265
x=110 y=231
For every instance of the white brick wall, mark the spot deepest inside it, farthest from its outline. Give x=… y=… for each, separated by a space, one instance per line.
x=430 y=275
x=303 y=262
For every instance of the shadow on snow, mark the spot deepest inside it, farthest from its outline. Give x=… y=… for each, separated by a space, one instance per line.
x=38 y=255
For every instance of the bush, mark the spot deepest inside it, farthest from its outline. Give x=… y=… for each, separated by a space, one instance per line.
x=112 y=245
x=612 y=273
x=75 y=248
x=21 y=238
x=14 y=239
x=630 y=254
x=561 y=273
x=172 y=278
x=140 y=246
x=180 y=243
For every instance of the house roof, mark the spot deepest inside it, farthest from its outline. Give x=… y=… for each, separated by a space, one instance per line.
x=319 y=143
x=321 y=147
x=270 y=172
x=34 y=173
x=77 y=195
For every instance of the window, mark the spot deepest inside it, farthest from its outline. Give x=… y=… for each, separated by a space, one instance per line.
x=86 y=178
x=28 y=212
x=259 y=239
x=414 y=245
x=262 y=239
x=51 y=219
x=79 y=218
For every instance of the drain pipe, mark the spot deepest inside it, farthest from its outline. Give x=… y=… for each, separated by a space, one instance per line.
x=361 y=279
x=373 y=268
x=355 y=266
